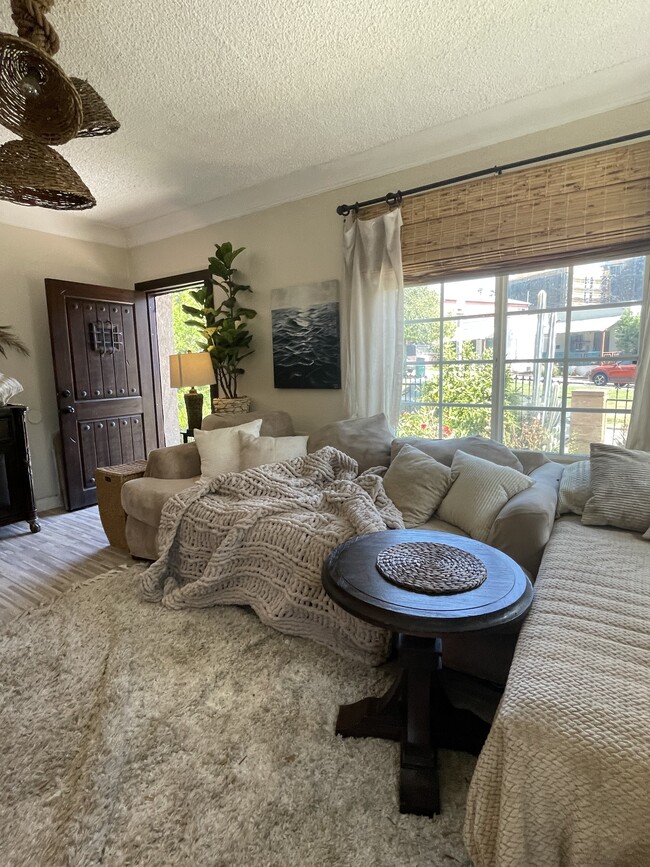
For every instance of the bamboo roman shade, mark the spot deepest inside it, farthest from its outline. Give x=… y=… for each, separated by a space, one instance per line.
x=596 y=204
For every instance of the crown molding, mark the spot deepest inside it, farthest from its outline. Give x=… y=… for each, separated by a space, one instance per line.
x=60 y=223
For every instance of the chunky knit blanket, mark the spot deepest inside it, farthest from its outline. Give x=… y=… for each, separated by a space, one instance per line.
x=564 y=777
x=260 y=538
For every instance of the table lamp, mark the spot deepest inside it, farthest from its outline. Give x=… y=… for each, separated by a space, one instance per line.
x=191 y=368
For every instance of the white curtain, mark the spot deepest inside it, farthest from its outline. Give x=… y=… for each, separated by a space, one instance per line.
x=638 y=435
x=374 y=303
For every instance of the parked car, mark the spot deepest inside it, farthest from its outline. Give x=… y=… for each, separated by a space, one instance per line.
x=618 y=372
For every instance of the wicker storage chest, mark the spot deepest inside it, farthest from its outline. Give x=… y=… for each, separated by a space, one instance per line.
x=109 y=482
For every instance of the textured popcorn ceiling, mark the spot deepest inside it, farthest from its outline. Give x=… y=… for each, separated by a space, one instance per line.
x=216 y=96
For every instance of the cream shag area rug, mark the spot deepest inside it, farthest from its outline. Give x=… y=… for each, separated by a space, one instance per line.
x=134 y=735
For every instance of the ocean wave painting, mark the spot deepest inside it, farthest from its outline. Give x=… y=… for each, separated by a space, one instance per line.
x=306 y=336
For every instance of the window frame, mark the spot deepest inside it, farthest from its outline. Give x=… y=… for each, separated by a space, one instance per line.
x=499 y=360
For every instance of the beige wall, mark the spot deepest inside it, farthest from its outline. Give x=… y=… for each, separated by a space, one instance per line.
x=26 y=258
x=301 y=242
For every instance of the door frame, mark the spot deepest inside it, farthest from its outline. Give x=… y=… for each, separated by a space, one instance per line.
x=147 y=328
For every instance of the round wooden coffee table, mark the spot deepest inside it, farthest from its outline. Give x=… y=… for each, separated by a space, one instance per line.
x=415 y=710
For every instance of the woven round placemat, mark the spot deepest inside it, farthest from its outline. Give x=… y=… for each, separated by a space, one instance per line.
x=430 y=567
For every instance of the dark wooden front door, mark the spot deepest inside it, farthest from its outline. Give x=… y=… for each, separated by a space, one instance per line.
x=103 y=382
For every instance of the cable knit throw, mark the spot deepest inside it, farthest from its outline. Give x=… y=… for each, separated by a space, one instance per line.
x=260 y=538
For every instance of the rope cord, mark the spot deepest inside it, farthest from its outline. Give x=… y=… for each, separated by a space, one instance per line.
x=32 y=25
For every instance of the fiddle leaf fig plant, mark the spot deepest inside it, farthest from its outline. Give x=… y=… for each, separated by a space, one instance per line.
x=222 y=319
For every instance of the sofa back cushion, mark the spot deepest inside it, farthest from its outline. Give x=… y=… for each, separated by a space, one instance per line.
x=367 y=440
x=444 y=450
x=274 y=424
x=524 y=525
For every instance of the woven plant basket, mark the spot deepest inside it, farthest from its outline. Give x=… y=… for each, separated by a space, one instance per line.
x=33 y=174
x=230 y=405
x=97 y=116
x=52 y=116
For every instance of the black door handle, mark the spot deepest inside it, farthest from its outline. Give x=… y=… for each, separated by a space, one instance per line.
x=68 y=409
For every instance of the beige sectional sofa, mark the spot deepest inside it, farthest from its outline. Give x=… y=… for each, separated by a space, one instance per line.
x=521 y=528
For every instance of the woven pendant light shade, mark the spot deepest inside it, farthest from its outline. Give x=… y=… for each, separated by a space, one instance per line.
x=37 y=99
x=33 y=174
x=97 y=117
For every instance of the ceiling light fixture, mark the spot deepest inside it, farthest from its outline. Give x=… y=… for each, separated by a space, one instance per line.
x=40 y=103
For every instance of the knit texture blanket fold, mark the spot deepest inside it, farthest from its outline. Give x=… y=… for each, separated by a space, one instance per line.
x=260 y=538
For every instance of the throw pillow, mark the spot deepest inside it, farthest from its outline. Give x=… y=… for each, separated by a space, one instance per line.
x=444 y=450
x=256 y=451
x=219 y=449
x=646 y=535
x=367 y=440
x=620 y=482
x=575 y=488
x=479 y=490
x=416 y=484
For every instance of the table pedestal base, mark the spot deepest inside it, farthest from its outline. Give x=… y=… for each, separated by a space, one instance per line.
x=416 y=712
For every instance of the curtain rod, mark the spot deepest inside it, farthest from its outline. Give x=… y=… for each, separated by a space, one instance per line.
x=396 y=198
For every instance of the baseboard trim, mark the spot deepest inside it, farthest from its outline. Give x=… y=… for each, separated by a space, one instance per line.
x=47 y=503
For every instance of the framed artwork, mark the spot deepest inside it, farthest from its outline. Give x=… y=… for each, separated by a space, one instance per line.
x=306 y=336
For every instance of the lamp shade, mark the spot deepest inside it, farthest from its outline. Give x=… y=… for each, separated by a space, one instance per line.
x=190 y=368
x=37 y=99
x=36 y=175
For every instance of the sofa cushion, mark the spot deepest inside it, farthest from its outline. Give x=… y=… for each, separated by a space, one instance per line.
x=143 y=499
x=219 y=448
x=530 y=459
x=435 y=523
x=367 y=440
x=257 y=451
x=274 y=424
x=524 y=525
x=444 y=450
x=479 y=490
x=575 y=488
x=620 y=484
x=416 y=484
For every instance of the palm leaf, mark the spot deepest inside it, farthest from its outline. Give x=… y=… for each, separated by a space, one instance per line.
x=8 y=340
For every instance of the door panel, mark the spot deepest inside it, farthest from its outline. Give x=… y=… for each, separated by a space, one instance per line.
x=103 y=382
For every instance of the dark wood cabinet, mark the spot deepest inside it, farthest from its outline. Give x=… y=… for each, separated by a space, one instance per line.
x=16 y=487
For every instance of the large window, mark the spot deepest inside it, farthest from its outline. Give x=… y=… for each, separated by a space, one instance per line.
x=543 y=360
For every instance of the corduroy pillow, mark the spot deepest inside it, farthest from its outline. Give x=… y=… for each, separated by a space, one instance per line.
x=479 y=490
x=575 y=488
x=620 y=482
x=416 y=484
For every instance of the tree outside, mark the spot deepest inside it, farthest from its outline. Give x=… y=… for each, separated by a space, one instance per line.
x=627 y=332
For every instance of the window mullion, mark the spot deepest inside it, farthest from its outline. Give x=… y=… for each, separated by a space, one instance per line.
x=500 y=339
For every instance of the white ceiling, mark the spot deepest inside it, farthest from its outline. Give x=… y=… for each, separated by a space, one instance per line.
x=218 y=97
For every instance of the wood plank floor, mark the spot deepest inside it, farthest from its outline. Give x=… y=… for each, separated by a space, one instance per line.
x=38 y=567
